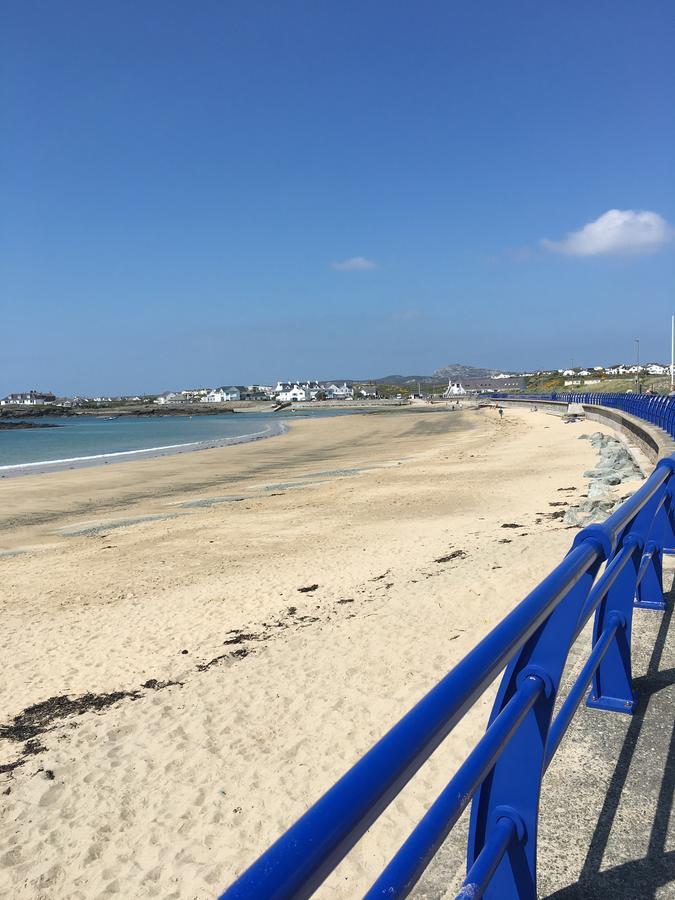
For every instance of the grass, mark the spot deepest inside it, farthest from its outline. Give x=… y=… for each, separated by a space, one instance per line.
x=545 y=384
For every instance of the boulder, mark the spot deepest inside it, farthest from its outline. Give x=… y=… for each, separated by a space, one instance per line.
x=573 y=517
x=598 y=490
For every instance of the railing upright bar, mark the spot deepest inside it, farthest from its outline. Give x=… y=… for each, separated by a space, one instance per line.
x=515 y=781
x=578 y=689
x=480 y=873
x=404 y=870
x=603 y=586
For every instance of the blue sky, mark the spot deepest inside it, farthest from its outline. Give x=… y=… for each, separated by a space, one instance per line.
x=227 y=192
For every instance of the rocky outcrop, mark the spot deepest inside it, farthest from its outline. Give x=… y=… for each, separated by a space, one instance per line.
x=6 y=426
x=614 y=467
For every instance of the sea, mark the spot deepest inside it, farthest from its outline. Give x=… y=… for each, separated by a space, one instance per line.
x=91 y=440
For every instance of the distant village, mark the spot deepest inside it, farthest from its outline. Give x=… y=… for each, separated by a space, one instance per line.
x=306 y=391
x=282 y=392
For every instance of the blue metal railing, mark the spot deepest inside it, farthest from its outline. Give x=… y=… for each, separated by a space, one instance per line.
x=655 y=408
x=502 y=775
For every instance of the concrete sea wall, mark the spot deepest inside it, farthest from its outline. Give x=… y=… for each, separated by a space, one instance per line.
x=653 y=441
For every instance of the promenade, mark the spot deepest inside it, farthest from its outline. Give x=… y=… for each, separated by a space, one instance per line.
x=607 y=830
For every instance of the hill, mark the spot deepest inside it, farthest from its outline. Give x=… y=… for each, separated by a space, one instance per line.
x=456 y=370
x=453 y=370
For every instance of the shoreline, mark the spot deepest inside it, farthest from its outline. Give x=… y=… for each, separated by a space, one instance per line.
x=37 y=467
x=187 y=409
x=17 y=470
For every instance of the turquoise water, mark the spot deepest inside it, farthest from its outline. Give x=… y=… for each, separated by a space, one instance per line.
x=90 y=440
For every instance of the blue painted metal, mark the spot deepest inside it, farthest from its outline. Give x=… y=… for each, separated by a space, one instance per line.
x=612 y=679
x=660 y=535
x=302 y=858
x=578 y=689
x=503 y=772
x=545 y=654
x=414 y=856
x=479 y=875
x=608 y=578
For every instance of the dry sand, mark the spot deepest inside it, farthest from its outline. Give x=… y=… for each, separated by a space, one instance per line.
x=220 y=700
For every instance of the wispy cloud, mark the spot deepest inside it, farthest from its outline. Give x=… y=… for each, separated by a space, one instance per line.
x=618 y=231
x=353 y=264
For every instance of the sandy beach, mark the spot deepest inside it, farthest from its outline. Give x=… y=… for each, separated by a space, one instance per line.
x=195 y=647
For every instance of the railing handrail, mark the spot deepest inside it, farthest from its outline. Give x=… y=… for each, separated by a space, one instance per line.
x=532 y=642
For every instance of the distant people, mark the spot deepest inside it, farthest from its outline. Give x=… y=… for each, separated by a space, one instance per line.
x=501 y=413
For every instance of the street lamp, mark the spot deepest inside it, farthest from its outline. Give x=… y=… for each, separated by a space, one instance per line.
x=637 y=374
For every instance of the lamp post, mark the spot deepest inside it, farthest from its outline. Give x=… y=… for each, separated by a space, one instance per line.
x=637 y=374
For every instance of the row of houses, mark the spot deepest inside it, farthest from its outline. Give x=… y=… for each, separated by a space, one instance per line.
x=282 y=392
x=214 y=395
x=47 y=398
x=29 y=398
x=618 y=369
x=303 y=391
x=484 y=385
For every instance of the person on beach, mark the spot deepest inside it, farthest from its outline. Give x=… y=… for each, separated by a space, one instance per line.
x=501 y=413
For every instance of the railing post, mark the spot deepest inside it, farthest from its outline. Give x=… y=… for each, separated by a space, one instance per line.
x=660 y=538
x=513 y=787
x=612 y=687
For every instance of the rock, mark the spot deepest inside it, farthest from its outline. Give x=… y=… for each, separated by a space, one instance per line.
x=627 y=473
x=602 y=503
x=597 y=491
x=584 y=437
x=572 y=517
x=598 y=515
x=614 y=458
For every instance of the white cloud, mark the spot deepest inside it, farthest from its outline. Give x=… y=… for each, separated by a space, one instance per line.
x=353 y=264
x=617 y=231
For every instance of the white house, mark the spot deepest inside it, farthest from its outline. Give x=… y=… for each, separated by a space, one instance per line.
x=339 y=392
x=28 y=398
x=222 y=395
x=166 y=397
x=296 y=393
x=454 y=389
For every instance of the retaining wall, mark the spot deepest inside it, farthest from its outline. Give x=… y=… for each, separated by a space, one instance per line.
x=653 y=441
